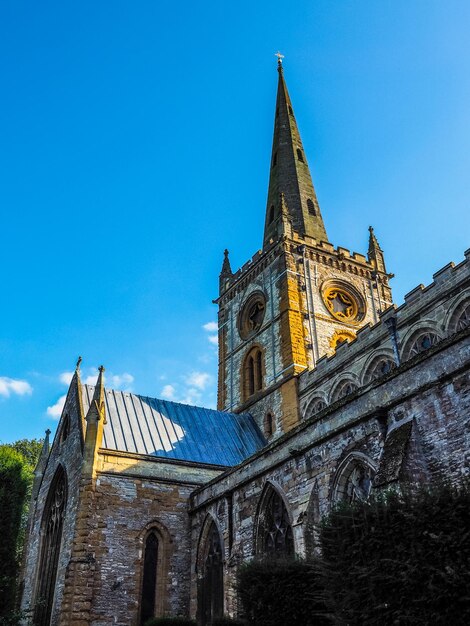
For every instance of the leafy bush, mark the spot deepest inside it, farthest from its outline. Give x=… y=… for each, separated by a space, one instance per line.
x=228 y=621
x=399 y=559
x=170 y=621
x=281 y=593
x=15 y=479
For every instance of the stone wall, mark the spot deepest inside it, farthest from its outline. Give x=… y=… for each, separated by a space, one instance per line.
x=67 y=453
x=409 y=425
x=130 y=496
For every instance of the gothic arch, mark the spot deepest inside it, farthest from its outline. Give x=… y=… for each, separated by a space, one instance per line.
x=379 y=364
x=273 y=523
x=343 y=387
x=253 y=371
x=353 y=478
x=420 y=338
x=153 y=543
x=52 y=524
x=458 y=315
x=315 y=405
x=311 y=520
x=210 y=572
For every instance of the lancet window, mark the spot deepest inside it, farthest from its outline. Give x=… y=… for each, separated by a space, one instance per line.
x=274 y=528
x=211 y=598
x=51 y=537
x=253 y=372
x=149 y=582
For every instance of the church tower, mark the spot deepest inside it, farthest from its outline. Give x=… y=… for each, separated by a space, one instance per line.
x=297 y=298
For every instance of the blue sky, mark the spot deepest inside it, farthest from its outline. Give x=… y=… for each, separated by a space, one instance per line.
x=135 y=143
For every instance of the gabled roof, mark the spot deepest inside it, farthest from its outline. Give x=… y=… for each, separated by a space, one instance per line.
x=172 y=430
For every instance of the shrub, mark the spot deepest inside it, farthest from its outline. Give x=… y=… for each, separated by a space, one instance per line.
x=281 y=593
x=15 y=479
x=228 y=621
x=170 y=621
x=399 y=559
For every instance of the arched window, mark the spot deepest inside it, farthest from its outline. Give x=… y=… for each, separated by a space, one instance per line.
x=149 y=581
x=300 y=156
x=211 y=590
x=253 y=372
x=274 y=159
x=51 y=537
x=64 y=432
x=271 y=214
x=353 y=480
x=311 y=207
x=423 y=342
x=274 y=536
x=379 y=367
x=268 y=424
x=344 y=389
x=316 y=405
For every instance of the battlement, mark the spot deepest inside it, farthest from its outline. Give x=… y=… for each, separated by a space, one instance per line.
x=430 y=303
x=340 y=253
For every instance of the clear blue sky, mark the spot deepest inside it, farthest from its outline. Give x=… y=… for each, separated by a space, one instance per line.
x=135 y=143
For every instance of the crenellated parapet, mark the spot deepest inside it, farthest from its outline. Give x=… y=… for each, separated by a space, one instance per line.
x=428 y=316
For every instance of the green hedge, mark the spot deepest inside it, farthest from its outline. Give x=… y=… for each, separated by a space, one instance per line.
x=15 y=479
x=399 y=559
x=170 y=621
x=281 y=593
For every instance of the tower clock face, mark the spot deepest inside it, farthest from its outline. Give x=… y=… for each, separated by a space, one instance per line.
x=343 y=301
x=251 y=315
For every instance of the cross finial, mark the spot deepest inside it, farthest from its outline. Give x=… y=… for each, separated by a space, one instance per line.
x=279 y=57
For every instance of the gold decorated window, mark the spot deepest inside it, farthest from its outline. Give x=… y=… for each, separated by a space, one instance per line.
x=343 y=302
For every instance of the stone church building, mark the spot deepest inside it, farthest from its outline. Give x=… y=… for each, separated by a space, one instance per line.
x=326 y=391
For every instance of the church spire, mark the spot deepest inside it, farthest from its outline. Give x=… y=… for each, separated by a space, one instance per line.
x=290 y=174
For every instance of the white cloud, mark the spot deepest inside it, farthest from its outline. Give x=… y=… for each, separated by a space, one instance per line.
x=211 y=327
x=168 y=392
x=214 y=339
x=200 y=380
x=121 y=381
x=66 y=378
x=55 y=410
x=11 y=385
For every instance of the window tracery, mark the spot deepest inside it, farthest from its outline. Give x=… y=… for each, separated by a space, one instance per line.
x=315 y=406
x=380 y=367
x=463 y=320
x=51 y=537
x=211 y=597
x=275 y=531
x=354 y=480
x=344 y=389
x=423 y=342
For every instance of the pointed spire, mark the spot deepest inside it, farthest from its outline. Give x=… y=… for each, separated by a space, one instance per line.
x=290 y=173
x=285 y=221
x=226 y=273
x=46 y=446
x=375 y=254
x=97 y=411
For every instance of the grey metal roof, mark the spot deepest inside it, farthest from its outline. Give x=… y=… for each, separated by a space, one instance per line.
x=176 y=431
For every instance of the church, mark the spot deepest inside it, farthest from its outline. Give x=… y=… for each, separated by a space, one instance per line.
x=327 y=391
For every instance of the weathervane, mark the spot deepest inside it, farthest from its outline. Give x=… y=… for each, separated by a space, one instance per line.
x=279 y=57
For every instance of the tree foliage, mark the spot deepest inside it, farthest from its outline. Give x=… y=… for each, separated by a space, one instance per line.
x=276 y=592
x=15 y=480
x=30 y=449
x=403 y=558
